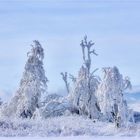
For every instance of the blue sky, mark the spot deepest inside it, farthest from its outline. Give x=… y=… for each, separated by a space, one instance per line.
x=59 y=25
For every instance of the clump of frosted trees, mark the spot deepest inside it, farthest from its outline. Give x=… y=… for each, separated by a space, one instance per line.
x=88 y=95
x=96 y=98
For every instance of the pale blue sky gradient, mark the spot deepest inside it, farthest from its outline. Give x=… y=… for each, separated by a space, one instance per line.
x=114 y=26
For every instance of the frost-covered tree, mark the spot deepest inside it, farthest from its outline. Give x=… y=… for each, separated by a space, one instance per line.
x=110 y=96
x=83 y=93
x=32 y=85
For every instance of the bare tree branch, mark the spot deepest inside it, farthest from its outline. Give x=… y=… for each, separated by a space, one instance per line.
x=65 y=78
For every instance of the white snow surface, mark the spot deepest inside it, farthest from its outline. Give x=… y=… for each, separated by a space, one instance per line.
x=64 y=126
x=71 y=138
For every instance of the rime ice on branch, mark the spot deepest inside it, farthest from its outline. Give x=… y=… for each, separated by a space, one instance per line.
x=83 y=94
x=87 y=47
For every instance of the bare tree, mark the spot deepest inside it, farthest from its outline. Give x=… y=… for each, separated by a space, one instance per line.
x=65 y=78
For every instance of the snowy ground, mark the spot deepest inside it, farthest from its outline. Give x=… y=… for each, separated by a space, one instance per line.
x=65 y=126
x=72 y=138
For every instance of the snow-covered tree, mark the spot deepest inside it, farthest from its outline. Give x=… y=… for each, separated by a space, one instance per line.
x=32 y=85
x=85 y=85
x=110 y=96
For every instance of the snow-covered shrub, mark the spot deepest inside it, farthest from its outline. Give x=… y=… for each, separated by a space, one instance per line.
x=110 y=96
x=52 y=97
x=54 y=109
x=55 y=105
x=32 y=85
